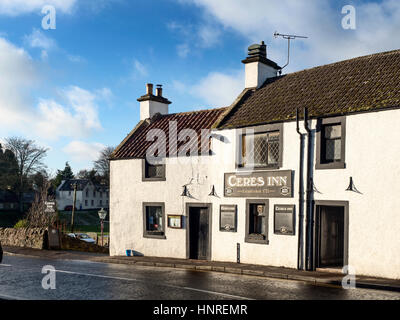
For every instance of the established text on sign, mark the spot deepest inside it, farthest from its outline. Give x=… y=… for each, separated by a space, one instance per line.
x=268 y=184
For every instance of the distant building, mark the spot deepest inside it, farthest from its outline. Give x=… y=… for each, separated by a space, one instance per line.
x=8 y=200
x=88 y=195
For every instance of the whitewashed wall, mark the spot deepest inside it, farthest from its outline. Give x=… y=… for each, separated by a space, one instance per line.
x=372 y=150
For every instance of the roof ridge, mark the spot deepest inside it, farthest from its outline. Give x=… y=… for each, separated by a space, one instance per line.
x=339 y=62
x=193 y=112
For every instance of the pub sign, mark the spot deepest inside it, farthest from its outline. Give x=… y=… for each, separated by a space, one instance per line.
x=284 y=220
x=264 y=184
x=227 y=218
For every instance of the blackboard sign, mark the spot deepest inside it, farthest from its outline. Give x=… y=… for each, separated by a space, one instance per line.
x=284 y=219
x=262 y=184
x=227 y=218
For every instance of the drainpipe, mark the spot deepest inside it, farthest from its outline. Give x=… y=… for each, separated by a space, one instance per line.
x=301 y=196
x=309 y=265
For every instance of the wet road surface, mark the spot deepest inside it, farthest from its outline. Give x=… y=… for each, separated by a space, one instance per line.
x=21 y=278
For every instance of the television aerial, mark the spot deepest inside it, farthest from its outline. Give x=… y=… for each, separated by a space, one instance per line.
x=288 y=37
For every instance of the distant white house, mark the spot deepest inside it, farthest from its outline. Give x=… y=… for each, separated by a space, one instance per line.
x=88 y=195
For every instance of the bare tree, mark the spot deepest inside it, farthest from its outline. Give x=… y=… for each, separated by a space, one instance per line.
x=37 y=216
x=29 y=157
x=102 y=164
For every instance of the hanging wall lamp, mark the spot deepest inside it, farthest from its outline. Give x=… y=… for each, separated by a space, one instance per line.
x=351 y=186
x=185 y=192
x=213 y=193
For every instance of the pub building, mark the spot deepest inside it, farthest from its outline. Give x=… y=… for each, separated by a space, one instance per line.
x=301 y=171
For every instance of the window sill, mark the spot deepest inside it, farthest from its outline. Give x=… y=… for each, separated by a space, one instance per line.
x=153 y=236
x=255 y=240
x=153 y=179
x=239 y=168
x=332 y=165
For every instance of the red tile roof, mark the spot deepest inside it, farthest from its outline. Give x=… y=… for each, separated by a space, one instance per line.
x=135 y=144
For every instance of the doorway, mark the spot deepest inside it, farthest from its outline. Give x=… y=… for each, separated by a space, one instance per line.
x=199 y=231
x=331 y=235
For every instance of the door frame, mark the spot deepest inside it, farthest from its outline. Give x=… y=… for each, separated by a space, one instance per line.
x=187 y=225
x=316 y=225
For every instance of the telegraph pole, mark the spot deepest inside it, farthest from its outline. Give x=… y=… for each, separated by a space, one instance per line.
x=73 y=208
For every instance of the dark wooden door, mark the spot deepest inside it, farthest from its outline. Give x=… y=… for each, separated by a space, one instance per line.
x=331 y=240
x=199 y=233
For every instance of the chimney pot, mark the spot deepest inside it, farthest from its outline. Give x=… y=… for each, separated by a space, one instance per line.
x=149 y=88
x=159 y=90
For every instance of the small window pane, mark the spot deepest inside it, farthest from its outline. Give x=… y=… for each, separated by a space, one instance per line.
x=333 y=150
x=333 y=132
x=154 y=221
x=154 y=171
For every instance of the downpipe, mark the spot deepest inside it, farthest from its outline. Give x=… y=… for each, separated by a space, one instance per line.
x=309 y=219
x=300 y=259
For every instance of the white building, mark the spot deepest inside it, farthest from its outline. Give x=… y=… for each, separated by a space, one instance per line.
x=320 y=195
x=88 y=195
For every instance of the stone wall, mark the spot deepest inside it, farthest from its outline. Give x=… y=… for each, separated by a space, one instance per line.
x=24 y=237
x=68 y=243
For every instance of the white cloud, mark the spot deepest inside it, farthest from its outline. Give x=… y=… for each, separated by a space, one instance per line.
x=204 y=35
x=19 y=76
x=77 y=118
x=75 y=58
x=38 y=39
x=179 y=86
x=139 y=67
x=105 y=94
x=219 y=89
x=209 y=35
x=18 y=7
x=83 y=151
x=377 y=26
x=183 y=50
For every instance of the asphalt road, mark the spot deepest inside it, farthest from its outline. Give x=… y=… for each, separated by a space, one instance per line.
x=21 y=278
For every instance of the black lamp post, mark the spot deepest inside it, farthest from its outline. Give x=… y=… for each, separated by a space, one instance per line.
x=102 y=216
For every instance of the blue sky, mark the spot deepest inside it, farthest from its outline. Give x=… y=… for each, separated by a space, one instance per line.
x=74 y=89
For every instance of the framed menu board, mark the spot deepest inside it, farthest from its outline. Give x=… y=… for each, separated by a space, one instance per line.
x=228 y=218
x=175 y=221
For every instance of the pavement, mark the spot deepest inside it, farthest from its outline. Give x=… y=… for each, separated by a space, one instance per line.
x=315 y=277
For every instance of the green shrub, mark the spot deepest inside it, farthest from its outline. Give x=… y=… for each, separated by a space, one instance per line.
x=21 y=224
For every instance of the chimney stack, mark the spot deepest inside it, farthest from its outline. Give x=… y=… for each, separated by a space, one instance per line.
x=149 y=88
x=258 y=67
x=159 y=90
x=151 y=104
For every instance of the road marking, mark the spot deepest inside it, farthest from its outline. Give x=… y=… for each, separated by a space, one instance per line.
x=164 y=285
x=7 y=297
x=5 y=265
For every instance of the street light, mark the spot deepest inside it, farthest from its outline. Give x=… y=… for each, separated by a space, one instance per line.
x=102 y=216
